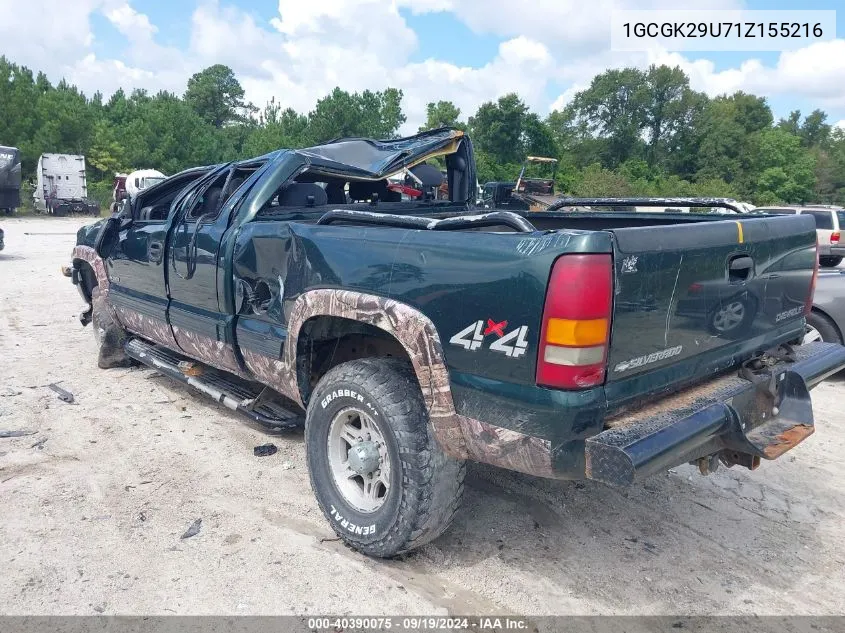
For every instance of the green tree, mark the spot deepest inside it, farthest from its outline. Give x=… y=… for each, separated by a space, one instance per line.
x=729 y=146
x=792 y=123
x=615 y=108
x=596 y=181
x=107 y=155
x=216 y=96
x=669 y=108
x=537 y=137
x=368 y=114
x=497 y=129
x=65 y=121
x=167 y=134
x=276 y=129
x=573 y=138
x=815 y=132
x=442 y=114
x=786 y=169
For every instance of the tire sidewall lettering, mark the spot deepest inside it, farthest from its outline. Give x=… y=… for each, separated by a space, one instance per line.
x=325 y=405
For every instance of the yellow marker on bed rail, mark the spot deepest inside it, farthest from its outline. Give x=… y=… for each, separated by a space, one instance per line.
x=739 y=229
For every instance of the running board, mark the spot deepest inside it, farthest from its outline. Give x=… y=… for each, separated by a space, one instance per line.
x=257 y=402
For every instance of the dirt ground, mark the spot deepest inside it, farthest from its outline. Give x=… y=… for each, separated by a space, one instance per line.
x=94 y=504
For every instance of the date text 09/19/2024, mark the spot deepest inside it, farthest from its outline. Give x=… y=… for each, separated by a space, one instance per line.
x=418 y=623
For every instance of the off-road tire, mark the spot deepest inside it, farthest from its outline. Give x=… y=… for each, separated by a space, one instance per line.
x=829 y=261
x=426 y=484
x=825 y=327
x=109 y=335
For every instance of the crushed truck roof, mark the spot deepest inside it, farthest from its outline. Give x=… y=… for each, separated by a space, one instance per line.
x=372 y=159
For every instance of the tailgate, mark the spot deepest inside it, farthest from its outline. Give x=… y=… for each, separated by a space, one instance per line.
x=694 y=298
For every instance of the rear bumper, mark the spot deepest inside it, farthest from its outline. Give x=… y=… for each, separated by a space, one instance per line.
x=837 y=251
x=730 y=417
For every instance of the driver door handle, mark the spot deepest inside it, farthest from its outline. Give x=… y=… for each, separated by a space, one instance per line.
x=155 y=251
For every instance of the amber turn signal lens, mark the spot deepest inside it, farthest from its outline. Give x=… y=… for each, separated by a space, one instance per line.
x=576 y=332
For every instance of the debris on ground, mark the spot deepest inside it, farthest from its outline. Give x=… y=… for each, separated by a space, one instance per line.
x=287 y=466
x=40 y=443
x=265 y=450
x=20 y=433
x=8 y=392
x=64 y=395
x=193 y=530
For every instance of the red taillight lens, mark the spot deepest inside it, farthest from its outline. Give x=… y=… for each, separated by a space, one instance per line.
x=576 y=322
x=695 y=288
x=808 y=304
x=834 y=237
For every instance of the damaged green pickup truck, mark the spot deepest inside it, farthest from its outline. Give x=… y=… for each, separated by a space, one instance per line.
x=416 y=333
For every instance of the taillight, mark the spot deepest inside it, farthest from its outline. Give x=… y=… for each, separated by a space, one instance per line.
x=695 y=288
x=576 y=322
x=808 y=304
x=834 y=237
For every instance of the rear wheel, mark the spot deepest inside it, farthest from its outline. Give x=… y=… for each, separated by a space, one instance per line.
x=829 y=261
x=821 y=328
x=379 y=476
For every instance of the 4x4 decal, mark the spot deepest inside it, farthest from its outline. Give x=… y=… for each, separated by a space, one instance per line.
x=512 y=344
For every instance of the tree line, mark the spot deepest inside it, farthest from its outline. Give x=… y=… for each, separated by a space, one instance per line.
x=631 y=132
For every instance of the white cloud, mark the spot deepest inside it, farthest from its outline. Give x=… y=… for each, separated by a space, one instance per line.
x=567 y=27
x=129 y=22
x=300 y=55
x=44 y=34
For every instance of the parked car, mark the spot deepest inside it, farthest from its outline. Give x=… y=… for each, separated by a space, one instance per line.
x=829 y=223
x=409 y=336
x=2 y=240
x=826 y=322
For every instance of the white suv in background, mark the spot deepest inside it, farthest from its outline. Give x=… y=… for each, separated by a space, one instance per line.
x=829 y=219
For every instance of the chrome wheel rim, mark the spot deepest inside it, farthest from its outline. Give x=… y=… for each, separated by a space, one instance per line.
x=729 y=316
x=811 y=335
x=359 y=460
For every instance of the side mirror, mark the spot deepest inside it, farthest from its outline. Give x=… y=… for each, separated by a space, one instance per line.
x=108 y=236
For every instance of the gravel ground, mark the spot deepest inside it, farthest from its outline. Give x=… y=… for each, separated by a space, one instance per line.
x=95 y=501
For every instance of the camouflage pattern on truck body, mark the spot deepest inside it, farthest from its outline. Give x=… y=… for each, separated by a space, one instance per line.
x=460 y=436
x=215 y=353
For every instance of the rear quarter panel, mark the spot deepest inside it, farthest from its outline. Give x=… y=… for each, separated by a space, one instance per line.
x=455 y=278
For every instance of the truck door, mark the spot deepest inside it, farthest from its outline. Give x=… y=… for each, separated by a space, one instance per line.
x=136 y=265
x=201 y=324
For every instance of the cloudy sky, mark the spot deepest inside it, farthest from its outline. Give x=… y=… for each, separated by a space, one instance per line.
x=467 y=51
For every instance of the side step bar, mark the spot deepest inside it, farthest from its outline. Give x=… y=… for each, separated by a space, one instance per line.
x=251 y=399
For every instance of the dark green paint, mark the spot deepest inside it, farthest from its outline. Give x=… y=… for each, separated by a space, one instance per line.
x=456 y=278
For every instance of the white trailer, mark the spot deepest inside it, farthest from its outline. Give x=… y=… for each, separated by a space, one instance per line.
x=61 y=186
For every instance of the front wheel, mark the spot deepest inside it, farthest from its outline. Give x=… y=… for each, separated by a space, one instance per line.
x=379 y=476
